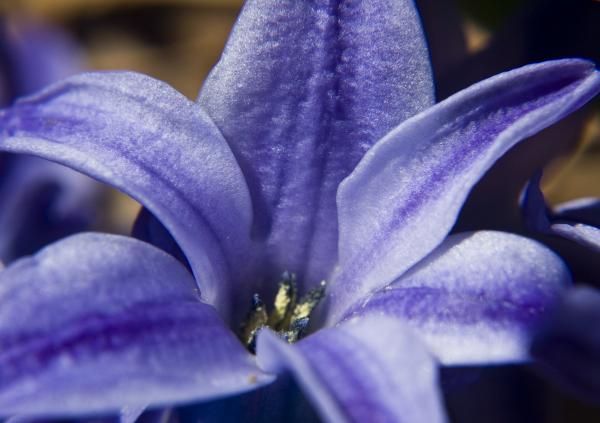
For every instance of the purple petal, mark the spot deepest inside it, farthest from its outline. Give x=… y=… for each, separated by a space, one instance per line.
x=588 y=236
x=34 y=56
x=301 y=92
x=41 y=203
x=536 y=214
x=585 y=210
x=143 y=137
x=98 y=322
x=405 y=195
x=568 y=220
x=371 y=370
x=568 y=346
x=131 y=414
x=476 y=298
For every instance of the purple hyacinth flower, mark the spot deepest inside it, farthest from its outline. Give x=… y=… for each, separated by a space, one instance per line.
x=315 y=148
x=40 y=201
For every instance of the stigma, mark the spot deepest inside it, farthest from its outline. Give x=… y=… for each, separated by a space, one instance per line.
x=290 y=316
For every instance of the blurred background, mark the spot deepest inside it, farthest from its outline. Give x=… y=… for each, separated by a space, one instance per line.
x=178 y=41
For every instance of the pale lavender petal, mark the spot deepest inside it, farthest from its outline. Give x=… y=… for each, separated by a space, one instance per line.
x=95 y=323
x=405 y=195
x=476 y=298
x=143 y=137
x=586 y=235
x=372 y=369
x=302 y=91
x=131 y=414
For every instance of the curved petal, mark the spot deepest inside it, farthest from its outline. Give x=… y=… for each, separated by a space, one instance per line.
x=97 y=322
x=405 y=195
x=143 y=137
x=536 y=214
x=568 y=346
x=568 y=220
x=302 y=90
x=585 y=209
x=476 y=298
x=588 y=236
x=41 y=201
x=364 y=370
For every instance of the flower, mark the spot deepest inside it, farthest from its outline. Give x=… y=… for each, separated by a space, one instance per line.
x=41 y=201
x=314 y=148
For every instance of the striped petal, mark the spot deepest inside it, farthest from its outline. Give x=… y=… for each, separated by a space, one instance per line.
x=477 y=298
x=96 y=323
x=302 y=90
x=404 y=196
x=145 y=138
x=370 y=369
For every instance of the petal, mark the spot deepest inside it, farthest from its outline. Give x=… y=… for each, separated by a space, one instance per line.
x=41 y=203
x=364 y=370
x=476 y=298
x=34 y=56
x=568 y=346
x=405 y=195
x=302 y=90
x=131 y=414
x=536 y=214
x=98 y=322
x=143 y=137
x=585 y=235
x=566 y=220
x=585 y=210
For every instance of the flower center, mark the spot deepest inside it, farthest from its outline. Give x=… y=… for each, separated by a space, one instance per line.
x=289 y=318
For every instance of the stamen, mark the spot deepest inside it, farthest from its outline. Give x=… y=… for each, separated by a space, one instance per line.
x=255 y=320
x=302 y=311
x=285 y=300
x=290 y=318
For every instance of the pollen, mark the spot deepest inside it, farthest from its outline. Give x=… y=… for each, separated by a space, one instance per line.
x=289 y=318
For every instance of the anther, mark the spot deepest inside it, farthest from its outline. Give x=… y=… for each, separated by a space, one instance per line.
x=290 y=317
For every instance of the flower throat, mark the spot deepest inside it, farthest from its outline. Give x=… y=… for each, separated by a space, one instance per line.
x=289 y=318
